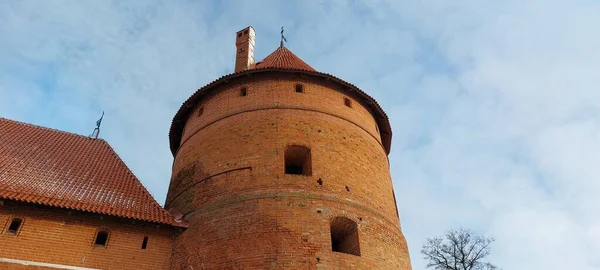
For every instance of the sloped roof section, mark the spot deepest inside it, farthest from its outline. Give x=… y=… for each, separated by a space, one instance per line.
x=282 y=58
x=51 y=167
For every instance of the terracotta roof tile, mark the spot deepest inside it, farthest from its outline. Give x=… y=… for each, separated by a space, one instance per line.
x=56 y=168
x=284 y=59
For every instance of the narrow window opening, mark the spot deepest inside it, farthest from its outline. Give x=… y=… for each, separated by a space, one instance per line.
x=245 y=32
x=240 y=34
x=344 y=236
x=298 y=160
x=145 y=242
x=101 y=238
x=200 y=111
x=347 y=102
x=15 y=225
x=243 y=92
x=299 y=88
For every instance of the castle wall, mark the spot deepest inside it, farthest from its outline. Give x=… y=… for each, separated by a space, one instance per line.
x=61 y=237
x=245 y=212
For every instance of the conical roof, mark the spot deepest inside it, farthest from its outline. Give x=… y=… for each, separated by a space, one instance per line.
x=282 y=58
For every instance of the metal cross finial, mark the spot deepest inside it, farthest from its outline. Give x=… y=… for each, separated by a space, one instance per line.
x=283 y=39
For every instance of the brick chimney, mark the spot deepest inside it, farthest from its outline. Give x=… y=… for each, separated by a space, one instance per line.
x=244 y=43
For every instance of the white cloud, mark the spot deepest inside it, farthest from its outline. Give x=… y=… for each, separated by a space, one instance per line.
x=521 y=135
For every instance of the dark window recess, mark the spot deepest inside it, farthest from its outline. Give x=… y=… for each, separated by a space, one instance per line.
x=243 y=92
x=347 y=102
x=240 y=34
x=293 y=169
x=101 y=238
x=297 y=160
x=200 y=111
x=344 y=236
x=14 y=226
x=299 y=88
x=245 y=32
x=145 y=242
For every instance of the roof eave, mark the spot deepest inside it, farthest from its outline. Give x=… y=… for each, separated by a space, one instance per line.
x=180 y=117
x=172 y=222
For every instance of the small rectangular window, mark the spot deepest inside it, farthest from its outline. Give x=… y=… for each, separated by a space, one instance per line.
x=243 y=92
x=15 y=225
x=297 y=160
x=240 y=34
x=299 y=88
x=145 y=242
x=101 y=238
x=246 y=32
x=348 y=102
x=200 y=111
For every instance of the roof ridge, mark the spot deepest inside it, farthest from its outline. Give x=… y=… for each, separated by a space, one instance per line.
x=48 y=128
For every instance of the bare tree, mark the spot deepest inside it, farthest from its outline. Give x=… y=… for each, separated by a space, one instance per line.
x=460 y=250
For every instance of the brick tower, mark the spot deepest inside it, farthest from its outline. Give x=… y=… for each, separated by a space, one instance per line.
x=281 y=166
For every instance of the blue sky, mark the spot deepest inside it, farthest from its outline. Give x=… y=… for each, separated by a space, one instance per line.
x=494 y=105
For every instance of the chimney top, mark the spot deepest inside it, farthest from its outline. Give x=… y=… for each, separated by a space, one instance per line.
x=244 y=43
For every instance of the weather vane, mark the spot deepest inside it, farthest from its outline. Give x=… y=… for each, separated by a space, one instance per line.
x=97 y=129
x=283 y=39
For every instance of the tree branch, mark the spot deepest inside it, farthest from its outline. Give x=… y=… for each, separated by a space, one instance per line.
x=460 y=250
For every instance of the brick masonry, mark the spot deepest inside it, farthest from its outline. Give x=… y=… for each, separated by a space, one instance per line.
x=244 y=212
x=228 y=180
x=58 y=236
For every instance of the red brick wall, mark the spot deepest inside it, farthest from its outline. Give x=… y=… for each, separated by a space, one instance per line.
x=244 y=212
x=51 y=235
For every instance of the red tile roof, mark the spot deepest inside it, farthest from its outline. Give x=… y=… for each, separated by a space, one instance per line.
x=56 y=168
x=284 y=59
